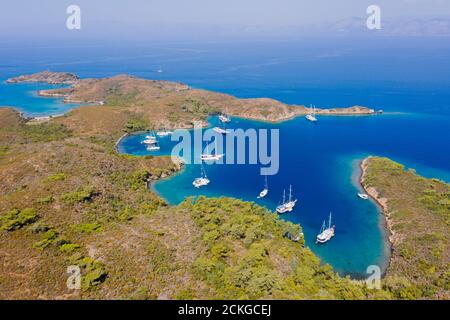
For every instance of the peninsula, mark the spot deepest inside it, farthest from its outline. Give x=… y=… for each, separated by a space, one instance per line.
x=417 y=212
x=166 y=104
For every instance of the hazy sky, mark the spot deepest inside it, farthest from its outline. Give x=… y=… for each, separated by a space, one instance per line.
x=26 y=17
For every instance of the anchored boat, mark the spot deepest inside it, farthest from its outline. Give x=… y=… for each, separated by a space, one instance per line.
x=164 y=133
x=153 y=147
x=289 y=205
x=325 y=233
x=201 y=181
x=265 y=191
x=151 y=142
x=312 y=114
x=211 y=156
x=220 y=130
x=363 y=196
x=149 y=139
x=224 y=118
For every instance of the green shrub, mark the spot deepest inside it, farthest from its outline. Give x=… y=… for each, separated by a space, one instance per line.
x=137 y=124
x=77 y=196
x=47 y=239
x=4 y=151
x=220 y=251
x=138 y=179
x=89 y=227
x=211 y=236
x=45 y=132
x=45 y=200
x=93 y=271
x=173 y=117
x=93 y=278
x=16 y=219
x=56 y=177
x=126 y=214
x=69 y=247
x=116 y=98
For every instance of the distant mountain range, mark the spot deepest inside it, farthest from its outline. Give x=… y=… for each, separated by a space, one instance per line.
x=356 y=26
x=416 y=27
x=138 y=31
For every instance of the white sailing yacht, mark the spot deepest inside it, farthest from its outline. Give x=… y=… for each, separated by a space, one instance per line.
x=151 y=142
x=201 y=181
x=265 y=191
x=312 y=114
x=289 y=205
x=325 y=233
x=211 y=156
x=149 y=139
x=224 y=117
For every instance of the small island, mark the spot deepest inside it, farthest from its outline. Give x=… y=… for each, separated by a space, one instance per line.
x=46 y=77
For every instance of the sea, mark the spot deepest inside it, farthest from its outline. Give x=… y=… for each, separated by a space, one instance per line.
x=408 y=78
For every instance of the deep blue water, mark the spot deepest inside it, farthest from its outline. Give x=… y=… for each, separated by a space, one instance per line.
x=408 y=78
x=323 y=168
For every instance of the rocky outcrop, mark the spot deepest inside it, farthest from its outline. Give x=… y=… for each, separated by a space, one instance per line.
x=47 y=77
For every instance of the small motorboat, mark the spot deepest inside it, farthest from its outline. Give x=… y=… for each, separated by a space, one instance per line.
x=220 y=130
x=224 y=118
x=363 y=196
x=153 y=147
x=265 y=191
x=164 y=133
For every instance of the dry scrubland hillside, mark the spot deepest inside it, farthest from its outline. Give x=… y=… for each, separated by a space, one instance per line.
x=70 y=199
x=167 y=104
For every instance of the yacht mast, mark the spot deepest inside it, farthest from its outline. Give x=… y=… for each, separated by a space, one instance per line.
x=203 y=172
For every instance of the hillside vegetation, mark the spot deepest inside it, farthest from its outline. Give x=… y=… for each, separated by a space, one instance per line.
x=68 y=199
x=160 y=104
x=418 y=212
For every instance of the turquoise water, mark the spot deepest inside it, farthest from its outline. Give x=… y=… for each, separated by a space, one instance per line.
x=324 y=172
x=410 y=79
x=24 y=97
